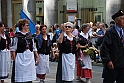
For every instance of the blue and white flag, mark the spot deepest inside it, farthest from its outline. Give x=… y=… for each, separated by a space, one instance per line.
x=31 y=24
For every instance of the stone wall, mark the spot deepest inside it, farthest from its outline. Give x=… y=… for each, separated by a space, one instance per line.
x=4 y=11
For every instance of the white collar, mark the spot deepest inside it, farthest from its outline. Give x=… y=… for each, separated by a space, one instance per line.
x=3 y=36
x=24 y=33
x=67 y=35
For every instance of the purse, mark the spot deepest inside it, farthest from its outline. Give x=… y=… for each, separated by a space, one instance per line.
x=81 y=62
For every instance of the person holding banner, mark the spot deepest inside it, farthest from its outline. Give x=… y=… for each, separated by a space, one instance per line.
x=4 y=54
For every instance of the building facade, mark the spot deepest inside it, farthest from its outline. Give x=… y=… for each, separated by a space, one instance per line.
x=88 y=10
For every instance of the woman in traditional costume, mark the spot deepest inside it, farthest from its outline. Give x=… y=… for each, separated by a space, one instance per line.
x=5 y=57
x=23 y=51
x=37 y=28
x=86 y=71
x=44 y=47
x=67 y=47
x=82 y=44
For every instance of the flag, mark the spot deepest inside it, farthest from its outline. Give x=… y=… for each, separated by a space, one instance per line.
x=31 y=24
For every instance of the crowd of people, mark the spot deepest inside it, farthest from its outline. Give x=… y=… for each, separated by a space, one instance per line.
x=65 y=44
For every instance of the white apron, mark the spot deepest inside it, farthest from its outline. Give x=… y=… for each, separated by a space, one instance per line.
x=68 y=66
x=87 y=62
x=25 y=67
x=43 y=66
x=5 y=61
x=86 y=58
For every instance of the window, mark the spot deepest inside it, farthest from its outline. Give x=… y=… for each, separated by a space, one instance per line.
x=98 y=17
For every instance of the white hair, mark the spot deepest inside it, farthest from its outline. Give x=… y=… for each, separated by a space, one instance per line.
x=37 y=25
x=72 y=25
x=101 y=24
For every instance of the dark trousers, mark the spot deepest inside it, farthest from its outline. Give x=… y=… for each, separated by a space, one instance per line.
x=112 y=75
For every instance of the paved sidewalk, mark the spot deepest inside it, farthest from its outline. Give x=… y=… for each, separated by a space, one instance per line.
x=50 y=78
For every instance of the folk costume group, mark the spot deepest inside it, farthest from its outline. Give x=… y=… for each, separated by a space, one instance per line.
x=31 y=54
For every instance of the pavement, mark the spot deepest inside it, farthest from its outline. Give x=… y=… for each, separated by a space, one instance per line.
x=50 y=78
x=97 y=64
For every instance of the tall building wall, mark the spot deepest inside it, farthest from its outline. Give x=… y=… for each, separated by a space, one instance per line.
x=40 y=11
x=92 y=10
x=4 y=11
x=113 y=6
x=105 y=8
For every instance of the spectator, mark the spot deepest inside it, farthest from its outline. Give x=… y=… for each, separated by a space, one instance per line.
x=75 y=31
x=38 y=23
x=55 y=52
x=97 y=25
x=112 y=23
x=50 y=33
x=57 y=32
x=7 y=31
x=100 y=34
x=37 y=28
x=93 y=36
x=16 y=28
x=11 y=34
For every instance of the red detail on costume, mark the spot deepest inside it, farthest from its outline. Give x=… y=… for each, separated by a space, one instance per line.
x=78 y=68
x=83 y=73
x=86 y=73
x=45 y=42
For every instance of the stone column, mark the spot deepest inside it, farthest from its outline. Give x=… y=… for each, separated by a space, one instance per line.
x=0 y=11
x=112 y=6
x=4 y=11
x=50 y=12
x=9 y=13
x=29 y=7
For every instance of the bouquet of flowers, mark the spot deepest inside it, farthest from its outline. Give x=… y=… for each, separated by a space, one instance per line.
x=88 y=51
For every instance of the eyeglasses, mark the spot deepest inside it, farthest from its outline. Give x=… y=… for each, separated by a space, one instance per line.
x=68 y=26
x=27 y=25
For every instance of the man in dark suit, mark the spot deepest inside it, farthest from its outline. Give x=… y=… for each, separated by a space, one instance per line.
x=112 y=51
